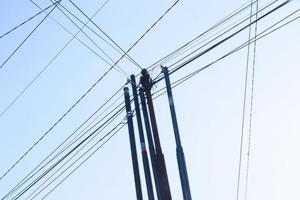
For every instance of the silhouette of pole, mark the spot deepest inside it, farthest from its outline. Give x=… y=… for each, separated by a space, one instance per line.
x=161 y=166
x=142 y=139
x=185 y=186
x=135 y=164
x=150 y=143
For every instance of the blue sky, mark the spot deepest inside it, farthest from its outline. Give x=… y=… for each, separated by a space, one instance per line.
x=209 y=106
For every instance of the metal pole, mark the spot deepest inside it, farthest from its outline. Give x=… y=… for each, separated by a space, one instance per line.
x=150 y=142
x=142 y=140
x=179 y=150
x=135 y=163
x=161 y=165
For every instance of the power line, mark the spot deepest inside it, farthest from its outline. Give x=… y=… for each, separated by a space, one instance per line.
x=222 y=21
x=244 y=108
x=222 y=41
x=25 y=89
x=9 y=57
x=65 y=156
x=180 y=81
x=117 y=68
x=73 y=156
x=90 y=89
x=83 y=162
x=122 y=51
x=51 y=61
x=32 y=173
x=27 y=20
x=240 y=47
x=243 y=45
x=251 y=109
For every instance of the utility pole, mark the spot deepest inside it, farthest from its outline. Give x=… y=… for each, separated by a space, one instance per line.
x=135 y=164
x=161 y=166
x=142 y=140
x=185 y=186
x=150 y=143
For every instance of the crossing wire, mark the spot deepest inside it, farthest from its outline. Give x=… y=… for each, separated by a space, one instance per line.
x=28 y=86
x=32 y=173
x=180 y=81
x=223 y=32
x=27 y=20
x=222 y=41
x=21 y=44
x=244 y=107
x=51 y=61
x=101 y=30
x=218 y=24
x=88 y=91
x=117 y=68
x=243 y=45
x=26 y=178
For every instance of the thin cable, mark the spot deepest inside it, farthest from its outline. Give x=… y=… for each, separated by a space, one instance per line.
x=251 y=110
x=83 y=162
x=51 y=61
x=225 y=19
x=67 y=161
x=235 y=26
x=245 y=44
x=244 y=109
x=69 y=32
x=117 y=68
x=224 y=40
x=64 y=157
x=94 y=85
x=25 y=89
x=131 y=59
x=118 y=48
x=27 y=20
x=34 y=172
x=20 y=45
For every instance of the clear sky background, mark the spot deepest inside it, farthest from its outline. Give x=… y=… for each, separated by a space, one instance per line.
x=209 y=106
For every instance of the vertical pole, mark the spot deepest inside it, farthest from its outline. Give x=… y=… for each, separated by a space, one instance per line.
x=161 y=166
x=150 y=143
x=142 y=140
x=135 y=164
x=179 y=150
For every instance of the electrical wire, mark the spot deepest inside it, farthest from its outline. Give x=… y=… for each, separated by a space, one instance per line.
x=27 y=20
x=32 y=173
x=25 y=89
x=117 y=68
x=51 y=61
x=224 y=40
x=180 y=81
x=244 y=108
x=122 y=51
x=222 y=31
x=251 y=109
x=83 y=96
x=65 y=156
x=32 y=195
x=21 y=44
x=259 y=36
x=221 y=22
x=246 y=43
x=109 y=138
